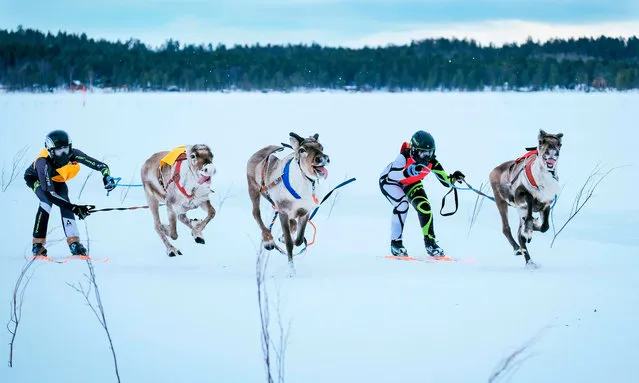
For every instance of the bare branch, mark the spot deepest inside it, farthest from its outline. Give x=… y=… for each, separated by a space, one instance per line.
x=16 y=304
x=280 y=348
x=84 y=184
x=262 y=304
x=511 y=364
x=273 y=347
x=552 y=212
x=479 y=203
x=17 y=163
x=226 y=196
x=98 y=307
x=584 y=195
x=335 y=198
x=125 y=192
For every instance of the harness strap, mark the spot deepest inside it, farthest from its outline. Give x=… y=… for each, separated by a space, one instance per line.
x=529 y=174
x=284 y=178
x=176 y=176
x=441 y=211
x=287 y=181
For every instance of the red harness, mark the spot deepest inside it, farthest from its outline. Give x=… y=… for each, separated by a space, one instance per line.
x=176 y=176
x=528 y=167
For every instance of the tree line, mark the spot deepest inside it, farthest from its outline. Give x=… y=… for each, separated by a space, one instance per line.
x=31 y=59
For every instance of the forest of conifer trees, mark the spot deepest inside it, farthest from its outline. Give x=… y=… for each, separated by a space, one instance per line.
x=35 y=61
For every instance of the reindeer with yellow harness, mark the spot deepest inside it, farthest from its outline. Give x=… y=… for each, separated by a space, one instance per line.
x=181 y=178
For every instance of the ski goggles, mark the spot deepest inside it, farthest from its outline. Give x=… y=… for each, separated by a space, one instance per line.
x=62 y=150
x=423 y=153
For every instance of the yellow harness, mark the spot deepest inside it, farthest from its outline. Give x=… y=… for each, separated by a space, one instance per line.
x=173 y=155
x=65 y=172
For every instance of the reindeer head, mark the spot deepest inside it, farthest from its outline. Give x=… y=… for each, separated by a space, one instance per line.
x=548 y=149
x=200 y=160
x=310 y=154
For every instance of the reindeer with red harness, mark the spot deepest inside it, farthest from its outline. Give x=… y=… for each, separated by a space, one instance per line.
x=180 y=178
x=529 y=184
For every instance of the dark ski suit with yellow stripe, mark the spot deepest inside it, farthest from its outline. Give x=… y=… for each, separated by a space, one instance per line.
x=47 y=180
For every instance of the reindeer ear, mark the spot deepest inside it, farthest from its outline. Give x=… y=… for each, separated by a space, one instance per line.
x=296 y=140
x=542 y=133
x=316 y=136
x=559 y=135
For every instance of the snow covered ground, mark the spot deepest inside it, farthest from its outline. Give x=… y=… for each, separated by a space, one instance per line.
x=354 y=316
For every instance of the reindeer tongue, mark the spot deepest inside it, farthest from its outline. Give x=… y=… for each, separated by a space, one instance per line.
x=551 y=162
x=203 y=179
x=322 y=171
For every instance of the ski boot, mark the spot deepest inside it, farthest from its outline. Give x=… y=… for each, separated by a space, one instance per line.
x=397 y=248
x=432 y=248
x=38 y=250
x=77 y=248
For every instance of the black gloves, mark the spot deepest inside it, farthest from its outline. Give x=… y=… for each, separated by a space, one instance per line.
x=456 y=176
x=82 y=211
x=109 y=183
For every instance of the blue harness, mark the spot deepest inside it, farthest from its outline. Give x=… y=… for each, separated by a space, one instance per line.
x=287 y=181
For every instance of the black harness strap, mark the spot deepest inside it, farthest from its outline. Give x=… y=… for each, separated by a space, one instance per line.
x=441 y=211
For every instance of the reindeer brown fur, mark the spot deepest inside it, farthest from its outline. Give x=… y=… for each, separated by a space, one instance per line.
x=529 y=185
x=306 y=171
x=163 y=184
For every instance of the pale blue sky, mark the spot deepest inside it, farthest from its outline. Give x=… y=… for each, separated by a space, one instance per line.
x=333 y=22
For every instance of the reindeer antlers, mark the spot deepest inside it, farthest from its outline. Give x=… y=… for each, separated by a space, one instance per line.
x=297 y=137
x=300 y=139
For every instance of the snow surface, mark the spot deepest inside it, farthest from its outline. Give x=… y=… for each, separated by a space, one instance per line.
x=354 y=316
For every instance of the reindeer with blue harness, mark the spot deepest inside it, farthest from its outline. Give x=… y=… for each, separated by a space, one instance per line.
x=290 y=185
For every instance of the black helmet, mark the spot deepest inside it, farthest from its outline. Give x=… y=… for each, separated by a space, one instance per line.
x=58 y=145
x=422 y=148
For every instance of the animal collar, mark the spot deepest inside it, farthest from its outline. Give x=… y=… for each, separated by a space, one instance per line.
x=284 y=178
x=176 y=176
x=289 y=187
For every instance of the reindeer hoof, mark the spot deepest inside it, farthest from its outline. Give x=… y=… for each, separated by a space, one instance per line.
x=530 y=265
x=270 y=245
x=173 y=252
x=291 y=270
x=199 y=240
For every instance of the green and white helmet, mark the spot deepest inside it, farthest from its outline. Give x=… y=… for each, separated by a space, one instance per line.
x=422 y=147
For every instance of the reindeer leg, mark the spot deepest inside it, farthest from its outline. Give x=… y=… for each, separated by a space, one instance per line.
x=286 y=230
x=254 y=194
x=286 y=233
x=545 y=224
x=526 y=226
x=198 y=226
x=159 y=228
x=191 y=224
x=502 y=206
x=172 y=223
x=293 y=225
x=301 y=230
